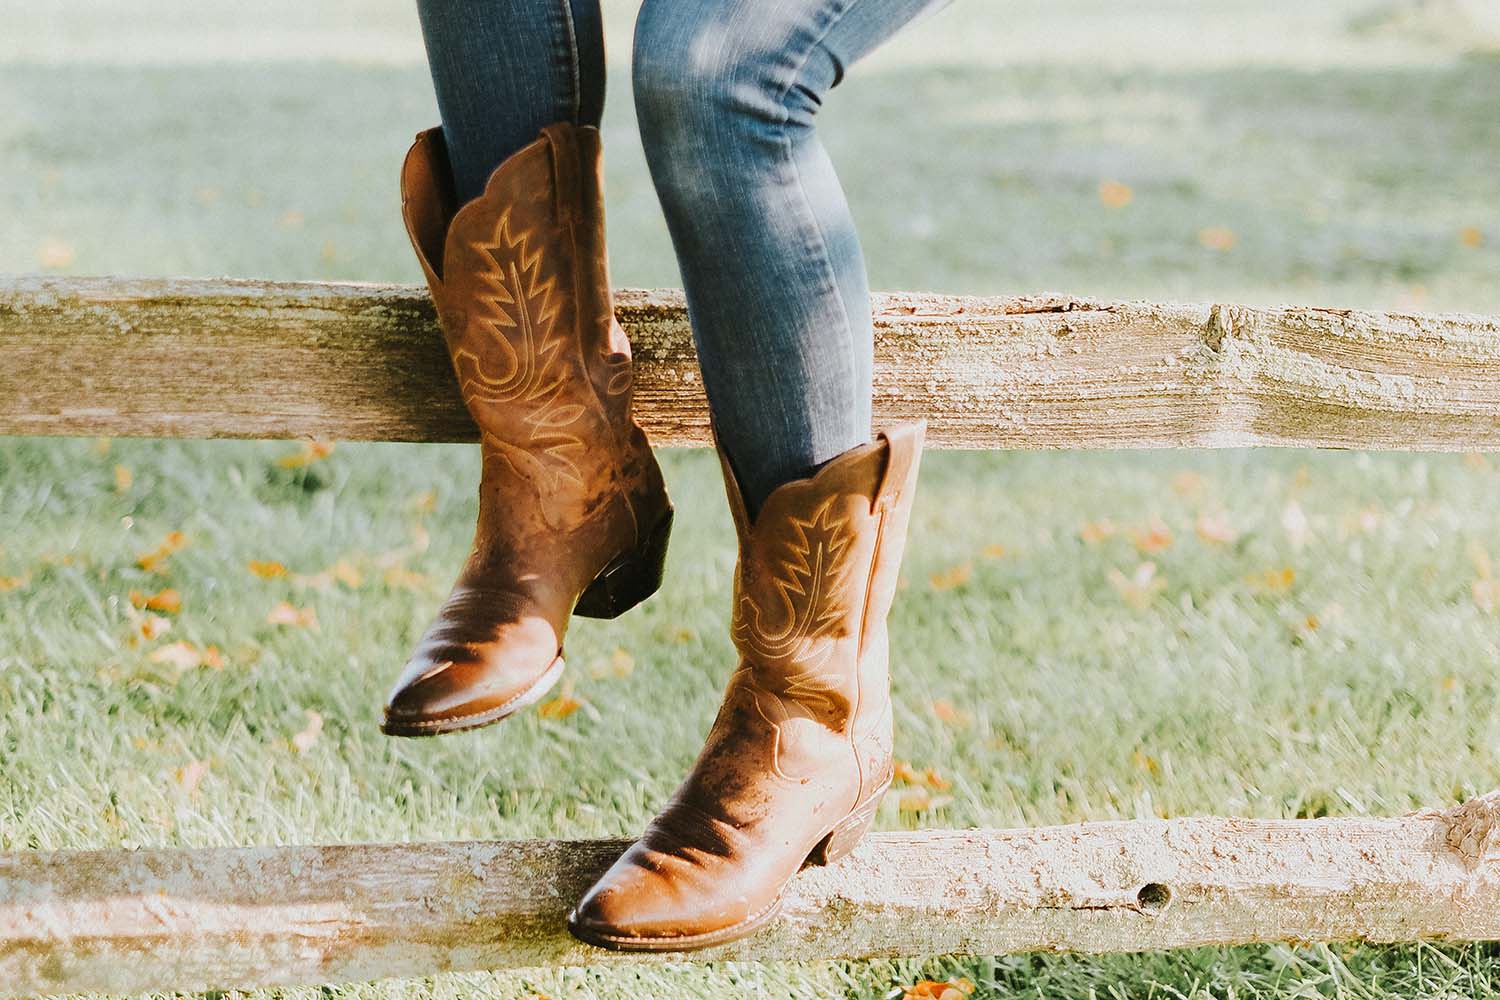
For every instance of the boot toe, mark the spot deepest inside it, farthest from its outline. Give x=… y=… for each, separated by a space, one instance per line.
x=446 y=695
x=638 y=908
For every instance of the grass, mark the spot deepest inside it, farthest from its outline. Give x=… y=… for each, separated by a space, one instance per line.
x=1311 y=634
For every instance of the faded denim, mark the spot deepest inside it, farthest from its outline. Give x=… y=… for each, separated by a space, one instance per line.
x=726 y=93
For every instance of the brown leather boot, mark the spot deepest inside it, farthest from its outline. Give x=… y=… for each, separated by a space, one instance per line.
x=800 y=754
x=573 y=515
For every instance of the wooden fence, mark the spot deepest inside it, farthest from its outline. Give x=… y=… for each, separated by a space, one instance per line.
x=228 y=358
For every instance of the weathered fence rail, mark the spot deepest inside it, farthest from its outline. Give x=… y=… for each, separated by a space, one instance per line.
x=225 y=358
x=239 y=917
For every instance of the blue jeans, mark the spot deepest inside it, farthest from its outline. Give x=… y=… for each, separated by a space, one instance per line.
x=726 y=92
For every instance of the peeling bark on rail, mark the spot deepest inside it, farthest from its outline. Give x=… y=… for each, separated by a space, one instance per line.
x=130 y=921
x=227 y=358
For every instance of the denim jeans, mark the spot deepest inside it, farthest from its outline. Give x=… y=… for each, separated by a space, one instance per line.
x=726 y=92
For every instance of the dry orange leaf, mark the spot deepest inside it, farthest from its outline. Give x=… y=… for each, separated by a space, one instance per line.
x=1187 y=483
x=1218 y=238
x=307 y=454
x=1094 y=532
x=953 y=577
x=1486 y=595
x=123 y=479
x=931 y=989
x=185 y=656
x=1273 y=581
x=404 y=579
x=8 y=583
x=1115 y=194
x=168 y=601
x=1215 y=529
x=266 y=569
x=190 y=775
x=619 y=664
x=1471 y=237
x=1152 y=538
x=944 y=710
x=1140 y=588
x=423 y=503
x=343 y=571
x=995 y=551
x=304 y=740
x=285 y=613
x=155 y=561
x=560 y=707
x=153 y=626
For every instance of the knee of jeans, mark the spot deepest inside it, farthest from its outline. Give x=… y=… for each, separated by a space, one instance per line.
x=694 y=76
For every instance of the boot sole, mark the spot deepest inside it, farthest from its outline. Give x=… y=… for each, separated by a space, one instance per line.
x=832 y=847
x=629 y=578
x=460 y=723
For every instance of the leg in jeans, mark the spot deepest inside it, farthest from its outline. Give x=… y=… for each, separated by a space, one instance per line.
x=726 y=92
x=799 y=756
x=504 y=207
x=502 y=69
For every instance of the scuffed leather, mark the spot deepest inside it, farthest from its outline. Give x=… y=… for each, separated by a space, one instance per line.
x=521 y=286
x=803 y=738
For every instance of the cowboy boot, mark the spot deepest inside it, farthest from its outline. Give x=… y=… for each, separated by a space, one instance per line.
x=800 y=753
x=573 y=514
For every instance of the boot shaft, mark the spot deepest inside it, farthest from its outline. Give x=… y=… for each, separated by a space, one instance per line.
x=520 y=280
x=816 y=577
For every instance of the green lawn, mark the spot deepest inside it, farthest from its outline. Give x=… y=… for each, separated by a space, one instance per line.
x=1121 y=634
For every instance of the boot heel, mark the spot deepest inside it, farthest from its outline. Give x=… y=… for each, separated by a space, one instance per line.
x=843 y=838
x=631 y=578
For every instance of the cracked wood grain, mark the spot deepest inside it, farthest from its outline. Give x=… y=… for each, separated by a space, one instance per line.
x=231 y=358
x=219 y=918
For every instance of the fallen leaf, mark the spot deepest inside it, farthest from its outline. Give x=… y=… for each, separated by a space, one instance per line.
x=1094 y=532
x=1474 y=460
x=123 y=479
x=995 y=551
x=1140 y=588
x=307 y=454
x=1215 y=529
x=1145 y=763
x=185 y=656
x=619 y=664
x=343 y=571
x=905 y=773
x=285 y=613
x=1217 y=238
x=931 y=989
x=152 y=627
x=1273 y=581
x=559 y=707
x=1114 y=194
x=304 y=740
x=102 y=445
x=914 y=800
x=155 y=561
x=266 y=569
x=944 y=710
x=953 y=577
x=8 y=583
x=1187 y=483
x=1153 y=538
x=168 y=601
x=404 y=579
x=423 y=503
x=1486 y=595
x=291 y=219
x=190 y=775
x=1471 y=237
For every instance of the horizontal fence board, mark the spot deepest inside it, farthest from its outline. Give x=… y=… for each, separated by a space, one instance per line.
x=131 y=921
x=232 y=358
